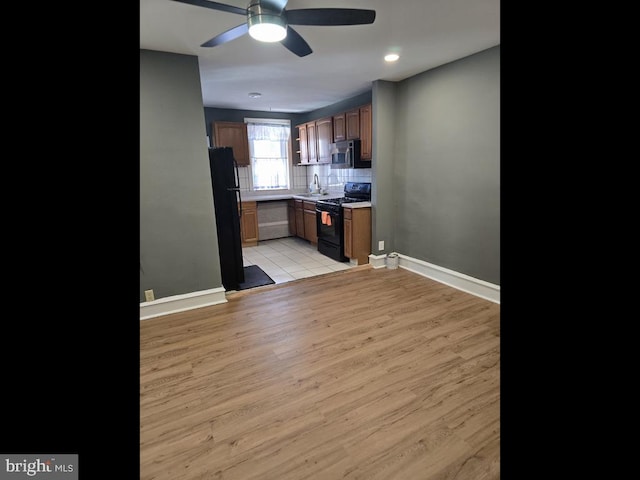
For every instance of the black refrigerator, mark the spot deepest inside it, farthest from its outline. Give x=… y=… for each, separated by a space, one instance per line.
x=226 y=201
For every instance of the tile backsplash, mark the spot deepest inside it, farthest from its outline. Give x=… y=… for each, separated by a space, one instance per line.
x=332 y=180
x=300 y=180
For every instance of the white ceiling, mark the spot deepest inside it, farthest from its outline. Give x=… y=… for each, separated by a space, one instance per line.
x=345 y=59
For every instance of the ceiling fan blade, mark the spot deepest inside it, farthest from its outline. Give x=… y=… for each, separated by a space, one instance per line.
x=330 y=16
x=215 y=6
x=275 y=5
x=227 y=36
x=295 y=43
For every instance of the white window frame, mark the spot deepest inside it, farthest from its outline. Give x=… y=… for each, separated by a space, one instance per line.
x=274 y=121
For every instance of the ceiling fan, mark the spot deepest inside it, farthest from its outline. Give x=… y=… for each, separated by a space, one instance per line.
x=269 y=21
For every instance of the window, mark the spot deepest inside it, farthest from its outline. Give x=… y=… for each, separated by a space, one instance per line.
x=269 y=153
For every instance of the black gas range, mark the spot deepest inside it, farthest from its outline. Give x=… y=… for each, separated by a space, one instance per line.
x=330 y=222
x=353 y=192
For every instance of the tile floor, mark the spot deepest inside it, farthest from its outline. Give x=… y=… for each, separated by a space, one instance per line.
x=290 y=258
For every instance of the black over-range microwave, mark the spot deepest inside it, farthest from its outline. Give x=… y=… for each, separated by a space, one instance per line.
x=346 y=154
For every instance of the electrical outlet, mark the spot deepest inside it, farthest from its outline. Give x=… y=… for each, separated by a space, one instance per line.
x=148 y=295
x=381 y=245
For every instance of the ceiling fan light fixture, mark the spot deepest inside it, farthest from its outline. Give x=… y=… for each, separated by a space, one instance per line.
x=265 y=25
x=267 y=32
x=270 y=21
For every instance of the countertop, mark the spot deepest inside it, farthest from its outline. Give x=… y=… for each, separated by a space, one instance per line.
x=313 y=198
x=246 y=197
x=263 y=198
x=303 y=196
x=356 y=205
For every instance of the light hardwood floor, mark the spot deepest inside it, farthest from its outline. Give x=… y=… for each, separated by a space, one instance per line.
x=359 y=374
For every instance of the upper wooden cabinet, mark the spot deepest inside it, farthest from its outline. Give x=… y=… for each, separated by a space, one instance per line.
x=302 y=144
x=353 y=124
x=316 y=137
x=324 y=131
x=234 y=135
x=315 y=141
x=352 y=118
x=339 y=127
x=366 y=123
x=312 y=146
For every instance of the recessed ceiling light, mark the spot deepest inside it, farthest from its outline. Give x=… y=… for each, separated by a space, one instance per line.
x=392 y=57
x=255 y=95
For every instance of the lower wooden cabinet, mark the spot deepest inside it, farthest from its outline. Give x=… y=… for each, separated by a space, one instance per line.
x=249 y=224
x=291 y=216
x=299 y=216
x=304 y=214
x=310 y=224
x=357 y=234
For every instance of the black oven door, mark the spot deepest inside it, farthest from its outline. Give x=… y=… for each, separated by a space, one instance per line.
x=330 y=231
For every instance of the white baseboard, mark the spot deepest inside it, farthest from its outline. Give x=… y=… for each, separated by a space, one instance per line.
x=474 y=286
x=181 y=303
x=205 y=298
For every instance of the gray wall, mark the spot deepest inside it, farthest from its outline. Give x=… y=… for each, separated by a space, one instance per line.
x=384 y=155
x=446 y=166
x=178 y=240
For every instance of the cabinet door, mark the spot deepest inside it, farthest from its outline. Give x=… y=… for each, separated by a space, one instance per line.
x=365 y=132
x=352 y=118
x=291 y=216
x=357 y=234
x=302 y=144
x=310 y=225
x=249 y=224
x=312 y=146
x=299 y=218
x=347 y=227
x=339 y=133
x=324 y=131
x=234 y=135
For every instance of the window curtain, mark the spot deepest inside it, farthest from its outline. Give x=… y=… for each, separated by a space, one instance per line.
x=269 y=152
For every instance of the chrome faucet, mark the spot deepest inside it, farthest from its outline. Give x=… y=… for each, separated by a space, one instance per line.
x=316 y=184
